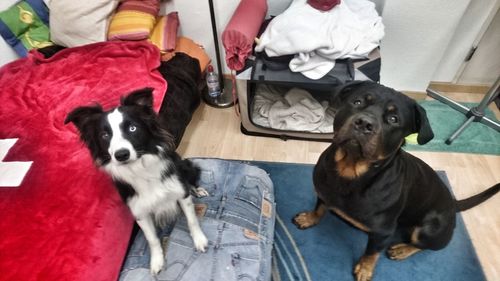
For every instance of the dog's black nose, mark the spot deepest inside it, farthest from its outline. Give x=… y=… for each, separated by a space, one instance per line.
x=364 y=125
x=122 y=155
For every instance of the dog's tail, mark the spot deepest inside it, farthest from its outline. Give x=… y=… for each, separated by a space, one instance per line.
x=462 y=205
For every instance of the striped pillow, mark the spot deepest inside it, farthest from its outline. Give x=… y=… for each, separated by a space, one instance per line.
x=134 y=20
x=165 y=32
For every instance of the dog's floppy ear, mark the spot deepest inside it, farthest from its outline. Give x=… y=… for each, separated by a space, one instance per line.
x=142 y=97
x=81 y=115
x=422 y=125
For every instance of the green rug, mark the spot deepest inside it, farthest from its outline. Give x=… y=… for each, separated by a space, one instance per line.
x=477 y=138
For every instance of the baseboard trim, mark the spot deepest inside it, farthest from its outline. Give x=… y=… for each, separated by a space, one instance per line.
x=416 y=95
x=445 y=87
x=459 y=88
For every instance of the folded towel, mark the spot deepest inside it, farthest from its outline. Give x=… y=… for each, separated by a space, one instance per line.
x=296 y=110
x=301 y=112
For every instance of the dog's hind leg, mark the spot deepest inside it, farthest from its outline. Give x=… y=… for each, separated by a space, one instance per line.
x=365 y=267
x=406 y=247
x=149 y=230
x=434 y=233
x=402 y=251
x=199 y=239
x=308 y=219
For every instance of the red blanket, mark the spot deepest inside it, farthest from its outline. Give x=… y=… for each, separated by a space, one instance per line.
x=66 y=220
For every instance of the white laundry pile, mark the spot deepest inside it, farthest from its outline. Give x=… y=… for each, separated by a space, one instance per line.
x=296 y=110
x=351 y=29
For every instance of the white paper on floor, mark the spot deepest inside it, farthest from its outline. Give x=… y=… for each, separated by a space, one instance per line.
x=12 y=173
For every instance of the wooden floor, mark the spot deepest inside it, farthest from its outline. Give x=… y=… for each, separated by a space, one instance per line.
x=216 y=133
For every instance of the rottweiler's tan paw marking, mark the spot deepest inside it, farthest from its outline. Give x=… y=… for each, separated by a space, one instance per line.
x=402 y=251
x=365 y=267
x=306 y=219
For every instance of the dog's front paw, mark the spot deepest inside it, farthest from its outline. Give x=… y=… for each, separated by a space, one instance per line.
x=156 y=263
x=305 y=220
x=200 y=242
x=365 y=267
x=201 y=192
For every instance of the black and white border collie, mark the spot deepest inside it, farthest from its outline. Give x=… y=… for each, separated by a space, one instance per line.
x=129 y=144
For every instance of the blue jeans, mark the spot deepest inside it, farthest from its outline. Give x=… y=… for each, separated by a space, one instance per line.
x=238 y=220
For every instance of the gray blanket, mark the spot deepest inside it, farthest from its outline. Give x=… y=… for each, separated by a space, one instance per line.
x=295 y=110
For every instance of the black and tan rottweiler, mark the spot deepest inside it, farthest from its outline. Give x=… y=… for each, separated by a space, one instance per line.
x=365 y=177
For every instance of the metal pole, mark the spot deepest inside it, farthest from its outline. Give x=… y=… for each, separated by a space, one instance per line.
x=460 y=130
x=474 y=114
x=490 y=95
x=216 y=42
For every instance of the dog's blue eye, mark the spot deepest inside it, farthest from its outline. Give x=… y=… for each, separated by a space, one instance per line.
x=132 y=128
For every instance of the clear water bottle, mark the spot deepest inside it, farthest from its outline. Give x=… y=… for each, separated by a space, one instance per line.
x=213 y=83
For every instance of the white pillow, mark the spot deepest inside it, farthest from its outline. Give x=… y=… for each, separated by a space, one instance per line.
x=76 y=23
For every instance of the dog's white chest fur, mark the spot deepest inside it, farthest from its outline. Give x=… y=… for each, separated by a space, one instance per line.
x=154 y=195
x=146 y=176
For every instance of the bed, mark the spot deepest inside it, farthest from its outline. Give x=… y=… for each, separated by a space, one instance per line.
x=65 y=221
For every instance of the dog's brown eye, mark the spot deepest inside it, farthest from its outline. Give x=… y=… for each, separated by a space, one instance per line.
x=105 y=136
x=357 y=102
x=393 y=119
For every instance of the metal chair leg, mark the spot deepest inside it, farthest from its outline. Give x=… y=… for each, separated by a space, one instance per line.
x=474 y=114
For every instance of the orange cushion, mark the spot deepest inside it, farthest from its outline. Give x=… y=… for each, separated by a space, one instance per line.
x=191 y=48
x=165 y=32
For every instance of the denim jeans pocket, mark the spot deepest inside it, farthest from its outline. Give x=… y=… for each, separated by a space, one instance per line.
x=239 y=254
x=207 y=181
x=246 y=264
x=245 y=209
x=176 y=269
x=251 y=192
x=180 y=256
x=210 y=204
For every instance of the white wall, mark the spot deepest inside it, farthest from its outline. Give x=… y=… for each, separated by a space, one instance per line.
x=484 y=66
x=417 y=36
x=420 y=43
x=473 y=24
x=195 y=23
x=7 y=54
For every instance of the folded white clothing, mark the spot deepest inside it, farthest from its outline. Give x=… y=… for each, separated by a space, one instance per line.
x=351 y=29
x=311 y=65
